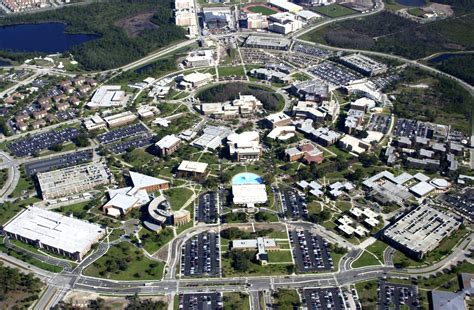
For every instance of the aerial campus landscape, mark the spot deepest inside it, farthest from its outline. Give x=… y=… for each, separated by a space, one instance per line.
x=226 y=154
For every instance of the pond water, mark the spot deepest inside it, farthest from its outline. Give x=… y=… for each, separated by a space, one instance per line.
x=445 y=56
x=43 y=37
x=411 y=2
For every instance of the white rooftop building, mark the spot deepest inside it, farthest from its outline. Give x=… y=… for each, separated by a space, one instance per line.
x=285 y=6
x=244 y=146
x=108 y=96
x=124 y=199
x=54 y=232
x=249 y=194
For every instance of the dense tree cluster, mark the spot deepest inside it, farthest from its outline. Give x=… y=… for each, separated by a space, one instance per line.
x=14 y=284
x=459 y=66
x=390 y=33
x=156 y=68
x=444 y=102
x=114 y=47
x=231 y=91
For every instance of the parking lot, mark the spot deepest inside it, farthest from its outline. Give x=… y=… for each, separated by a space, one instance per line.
x=397 y=296
x=462 y=202
x=311 y=50
x=323 y=298
x=208 y=208
x=200 y=255
x=379 y=123
x=36 y=143
x=334 y=74
x=201 y=301
x=121 y=133
x=311 y=253
x=294 y=205
x=384 y=81
x=58 y=162
x=138 y=142
x=412 y=128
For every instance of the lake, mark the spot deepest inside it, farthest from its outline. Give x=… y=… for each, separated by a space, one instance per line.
x=411 y=2
x=446 y=56
x=44 y=37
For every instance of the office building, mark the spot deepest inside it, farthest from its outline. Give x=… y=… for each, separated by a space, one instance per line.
x=54 y=232
x=244 y=146
x=421 y=230
x=262 y=245
x=123 y=200
x=73 y=180
x=108 y=96
x=168 y=145
x=192 y=169
x=120 y=119
x=284 y=23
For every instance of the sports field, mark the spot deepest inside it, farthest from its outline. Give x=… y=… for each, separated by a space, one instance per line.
x=261 y=9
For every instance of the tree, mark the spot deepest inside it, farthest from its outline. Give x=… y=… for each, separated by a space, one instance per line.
x=82 y=140
x=368 y=160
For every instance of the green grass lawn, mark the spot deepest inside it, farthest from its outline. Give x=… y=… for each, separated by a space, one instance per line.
x=377 y=248
x=29 y=259
x=367 y=291
x=444 y=281
x=236 y=300
x=366 y=259
x=333 y=10
x=300 y=76
x=153 y=241
x=280 y=257
x=7 y=211
x=228 y=71
x=344 y=205
x=125 y=262
x=24 y=184
x=262 y=9
x=3 y=176
x=254 y=268
x=178 y=197
x=266 y=216
x=286 y=299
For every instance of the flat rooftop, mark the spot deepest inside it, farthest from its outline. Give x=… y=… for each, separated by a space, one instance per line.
x=192 y=166
x=272 y=42
x=422 y=229
x=54 y=229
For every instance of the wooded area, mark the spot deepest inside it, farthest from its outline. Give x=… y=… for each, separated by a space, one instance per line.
x=114 y=48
